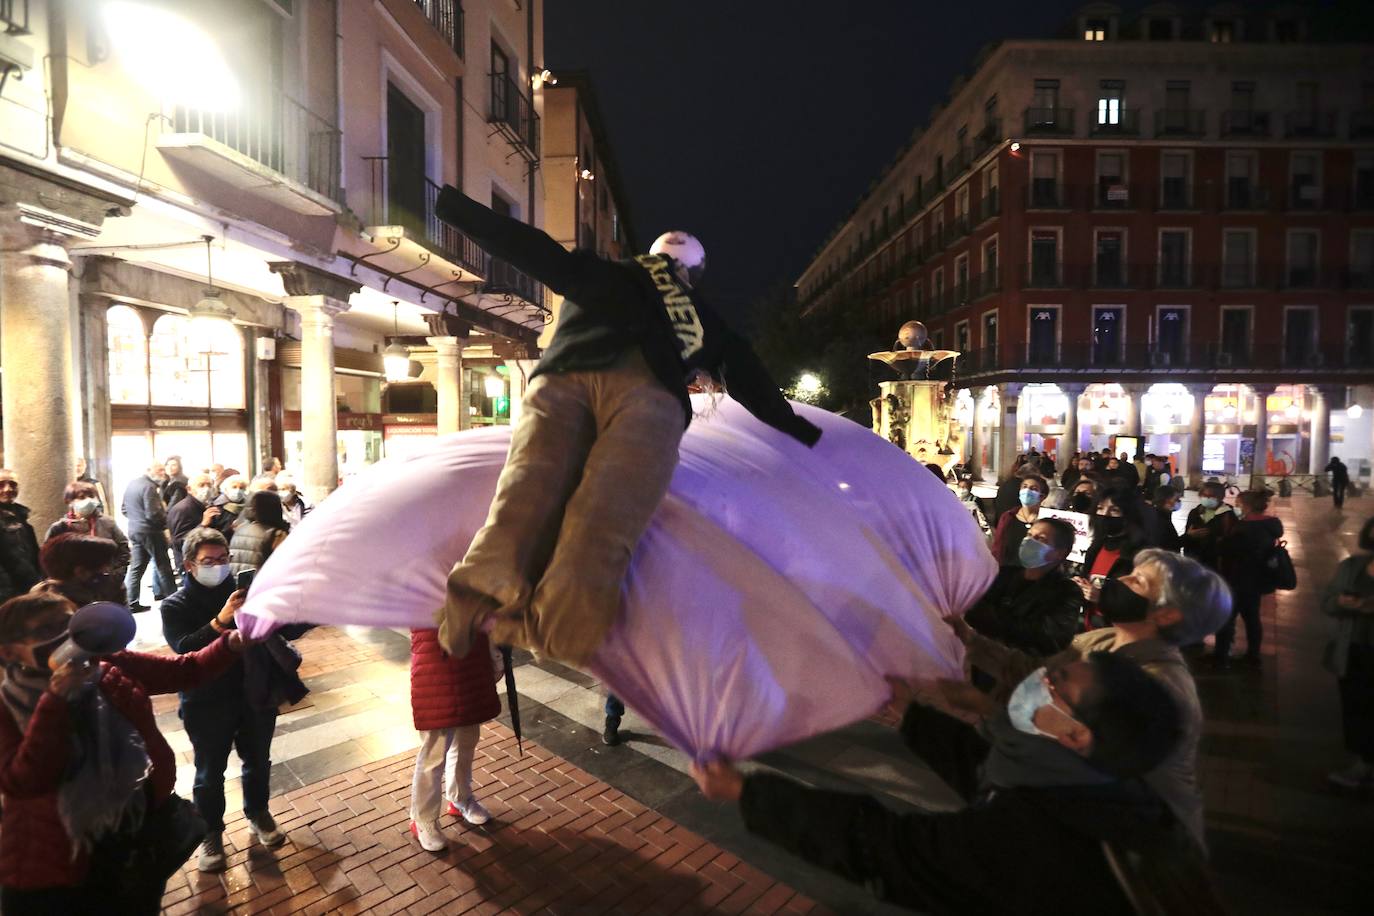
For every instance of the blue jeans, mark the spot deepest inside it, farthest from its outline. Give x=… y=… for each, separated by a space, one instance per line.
x=214 y=728
x=144 y=548
x=614 y=708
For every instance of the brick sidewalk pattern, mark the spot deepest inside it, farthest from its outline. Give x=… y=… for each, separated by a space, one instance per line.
x=560 y=842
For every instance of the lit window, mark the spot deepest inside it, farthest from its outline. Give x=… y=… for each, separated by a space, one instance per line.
x=179 y=376
x=1095 y=30
x=128 y=355
x=1109 y=102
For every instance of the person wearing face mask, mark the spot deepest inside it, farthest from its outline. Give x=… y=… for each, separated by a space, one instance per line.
x=1242 y=554
x=1167 y=601
x=85 y=515
x=192 y=512
x=1119 y=533
x=293 y=504
x=232 y=498
x=1014 y=523
x=1056 y=806
x=18 y=544
x=147 y=517
x=1032 y=606
x=970 y=503
x=71 y=798
x=1207 y=524
x=1084 y=496
x=80 y=568
x=1165 y=503
x=260 y=531
x=228 y=713
x=1075 y=472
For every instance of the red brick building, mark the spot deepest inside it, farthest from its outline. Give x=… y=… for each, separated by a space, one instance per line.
x=1160 y=228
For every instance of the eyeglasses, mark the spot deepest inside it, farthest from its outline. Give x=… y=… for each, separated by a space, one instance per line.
x=213 y=561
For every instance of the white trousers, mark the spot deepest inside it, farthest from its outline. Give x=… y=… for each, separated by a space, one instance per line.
x=443 y=769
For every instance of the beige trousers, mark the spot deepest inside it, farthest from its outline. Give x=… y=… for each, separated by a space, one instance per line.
x=443 y=769
x=589 y=462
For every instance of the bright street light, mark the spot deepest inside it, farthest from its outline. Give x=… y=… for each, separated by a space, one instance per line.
x=495 y=386
x=171 y=57
x=808 y=383
x=1354 y=411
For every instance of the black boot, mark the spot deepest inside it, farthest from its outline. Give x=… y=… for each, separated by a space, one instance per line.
x=610 y=735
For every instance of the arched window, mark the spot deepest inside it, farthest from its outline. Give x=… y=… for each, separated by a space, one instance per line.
x=128 y=345
x=179 y=376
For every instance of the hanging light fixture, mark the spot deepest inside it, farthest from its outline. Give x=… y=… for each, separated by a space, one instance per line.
x=1354 y=411
x=396 y=358
x=211 y=318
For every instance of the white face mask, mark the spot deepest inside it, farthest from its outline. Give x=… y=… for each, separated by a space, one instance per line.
x=1027 y=699
x=86 y=507
x=234 y=494
x=211 y=576
x=205 y=494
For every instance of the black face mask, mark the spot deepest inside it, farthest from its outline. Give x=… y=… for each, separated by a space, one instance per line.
x=1112 y=526
x=1121 y=605
x=1081 y=502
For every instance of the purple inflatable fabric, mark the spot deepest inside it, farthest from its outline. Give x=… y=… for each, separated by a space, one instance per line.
x=774 y=590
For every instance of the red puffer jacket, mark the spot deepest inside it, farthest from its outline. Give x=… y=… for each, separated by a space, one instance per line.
x=446 y=692
x=35 y=851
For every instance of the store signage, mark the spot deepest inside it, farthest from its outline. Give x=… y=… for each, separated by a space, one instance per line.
x=1213 y=456
x=189 y=423
x=1082 y=531
x=1117 y=192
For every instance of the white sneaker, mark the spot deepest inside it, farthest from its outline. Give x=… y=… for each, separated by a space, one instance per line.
x=431 y=838
x=470 y=810
x=1358 y=775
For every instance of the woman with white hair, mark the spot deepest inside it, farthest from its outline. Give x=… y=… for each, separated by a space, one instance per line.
x=293 y=504
x=1165 y=602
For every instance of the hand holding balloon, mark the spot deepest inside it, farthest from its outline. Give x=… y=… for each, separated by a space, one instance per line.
x=719 y=780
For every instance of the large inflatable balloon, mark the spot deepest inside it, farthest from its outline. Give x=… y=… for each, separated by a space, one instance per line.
x=774 y=590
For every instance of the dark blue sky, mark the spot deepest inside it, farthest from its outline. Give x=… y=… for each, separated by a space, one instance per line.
x=757 y=124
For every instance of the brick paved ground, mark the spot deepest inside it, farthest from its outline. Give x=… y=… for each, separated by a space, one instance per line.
x=561 y=842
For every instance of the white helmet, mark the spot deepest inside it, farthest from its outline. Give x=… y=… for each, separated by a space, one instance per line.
x=684 y=248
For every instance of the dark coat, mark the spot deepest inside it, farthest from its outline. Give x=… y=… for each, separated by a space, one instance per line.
x=610 y=306
x=1039 y=617
x=19 y=570
x=1007 y=537
x=446 y=692
x=35 y=851
x=101 y=526
x=1245 y=549
x=143 y=506
x=174 y=490
x=251 y=545
x=184 y=517
x=1203 y=547
x=1165 y=534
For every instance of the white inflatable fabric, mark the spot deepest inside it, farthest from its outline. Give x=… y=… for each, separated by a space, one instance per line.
x=775 y=588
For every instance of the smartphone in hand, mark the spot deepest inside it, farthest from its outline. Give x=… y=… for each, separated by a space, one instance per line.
x=245 y=579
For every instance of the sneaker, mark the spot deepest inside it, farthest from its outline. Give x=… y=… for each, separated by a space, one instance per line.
x=1356 y=776
x=137 y=608
x=470 y=811
x=265 y=829
x=610 y=735
x=431 y=838
x=211 y=857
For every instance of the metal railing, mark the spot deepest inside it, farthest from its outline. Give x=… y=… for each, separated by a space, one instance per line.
x=1080 y=354
x=1180 y=122
x=990 y=205
x=1309 y=123
x=14 y=15
x=503 y=279
x=418 y=217
x=1126 y=124
x=447 y=18
x=274 y=131
x=513 y=114
x=1243 y=122
x=1049 y=120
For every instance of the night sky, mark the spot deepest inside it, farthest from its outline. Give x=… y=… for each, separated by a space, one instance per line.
x=757 y=124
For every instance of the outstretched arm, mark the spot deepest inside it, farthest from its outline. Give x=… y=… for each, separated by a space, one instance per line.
x=748 y=382
x=527 y=248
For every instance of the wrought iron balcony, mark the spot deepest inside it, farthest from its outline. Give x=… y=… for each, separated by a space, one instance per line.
x=1126 y=123
x=274 y=131
x=512 y=114
x=396 y=201
x=990 y=205
x=988 y=137
x=447 y=18
x=1056 y=121
x=14 y=16
x=1244 y=123
x=1180 y=122
x=505 y=280
x=1309 y=123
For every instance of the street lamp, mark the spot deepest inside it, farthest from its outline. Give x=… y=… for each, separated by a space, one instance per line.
x=808 y=384
x=1353 y=411
x=395 y=358
x=170 y=57
x=210 y=317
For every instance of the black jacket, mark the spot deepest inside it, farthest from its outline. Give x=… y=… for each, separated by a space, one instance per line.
x=1039 y=617
x=174 y=490
x=184 y=517
x=1244 y=551
x=610 y=306
x=1165 y=534
x=143 y=506
x=18 y=551
x=1203 y=547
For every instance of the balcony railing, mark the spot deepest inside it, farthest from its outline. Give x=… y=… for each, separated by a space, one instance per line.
x=417 y=216
x=1117 y=195
x=1058 y=121
x=989 y=282
x=503 y=279
x=1244 y=123
x=447 y=18
x=1180 y=122
x=276 y=132
x=988 y=137
x=14 y=16
x=1309 y=123
x=513 y=114
x=1126 y=123
x=1046 y=194
x=1080 y=354
x=1175 y=194
x=990 y=205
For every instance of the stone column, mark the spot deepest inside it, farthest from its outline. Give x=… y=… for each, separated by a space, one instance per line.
x=1135 y=421
x=975 y=436
x=1073 y=392
x=37 y=342
x=448 y=381
x=319 y=298
x=1258 y=470
x=1009 y=426
x=1197 y=434
x=1320 y=452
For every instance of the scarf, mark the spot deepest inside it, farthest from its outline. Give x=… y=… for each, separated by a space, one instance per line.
x=101 y=789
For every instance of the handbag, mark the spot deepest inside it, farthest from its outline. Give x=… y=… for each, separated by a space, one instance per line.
x=1279 y=573
x=147 y=857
